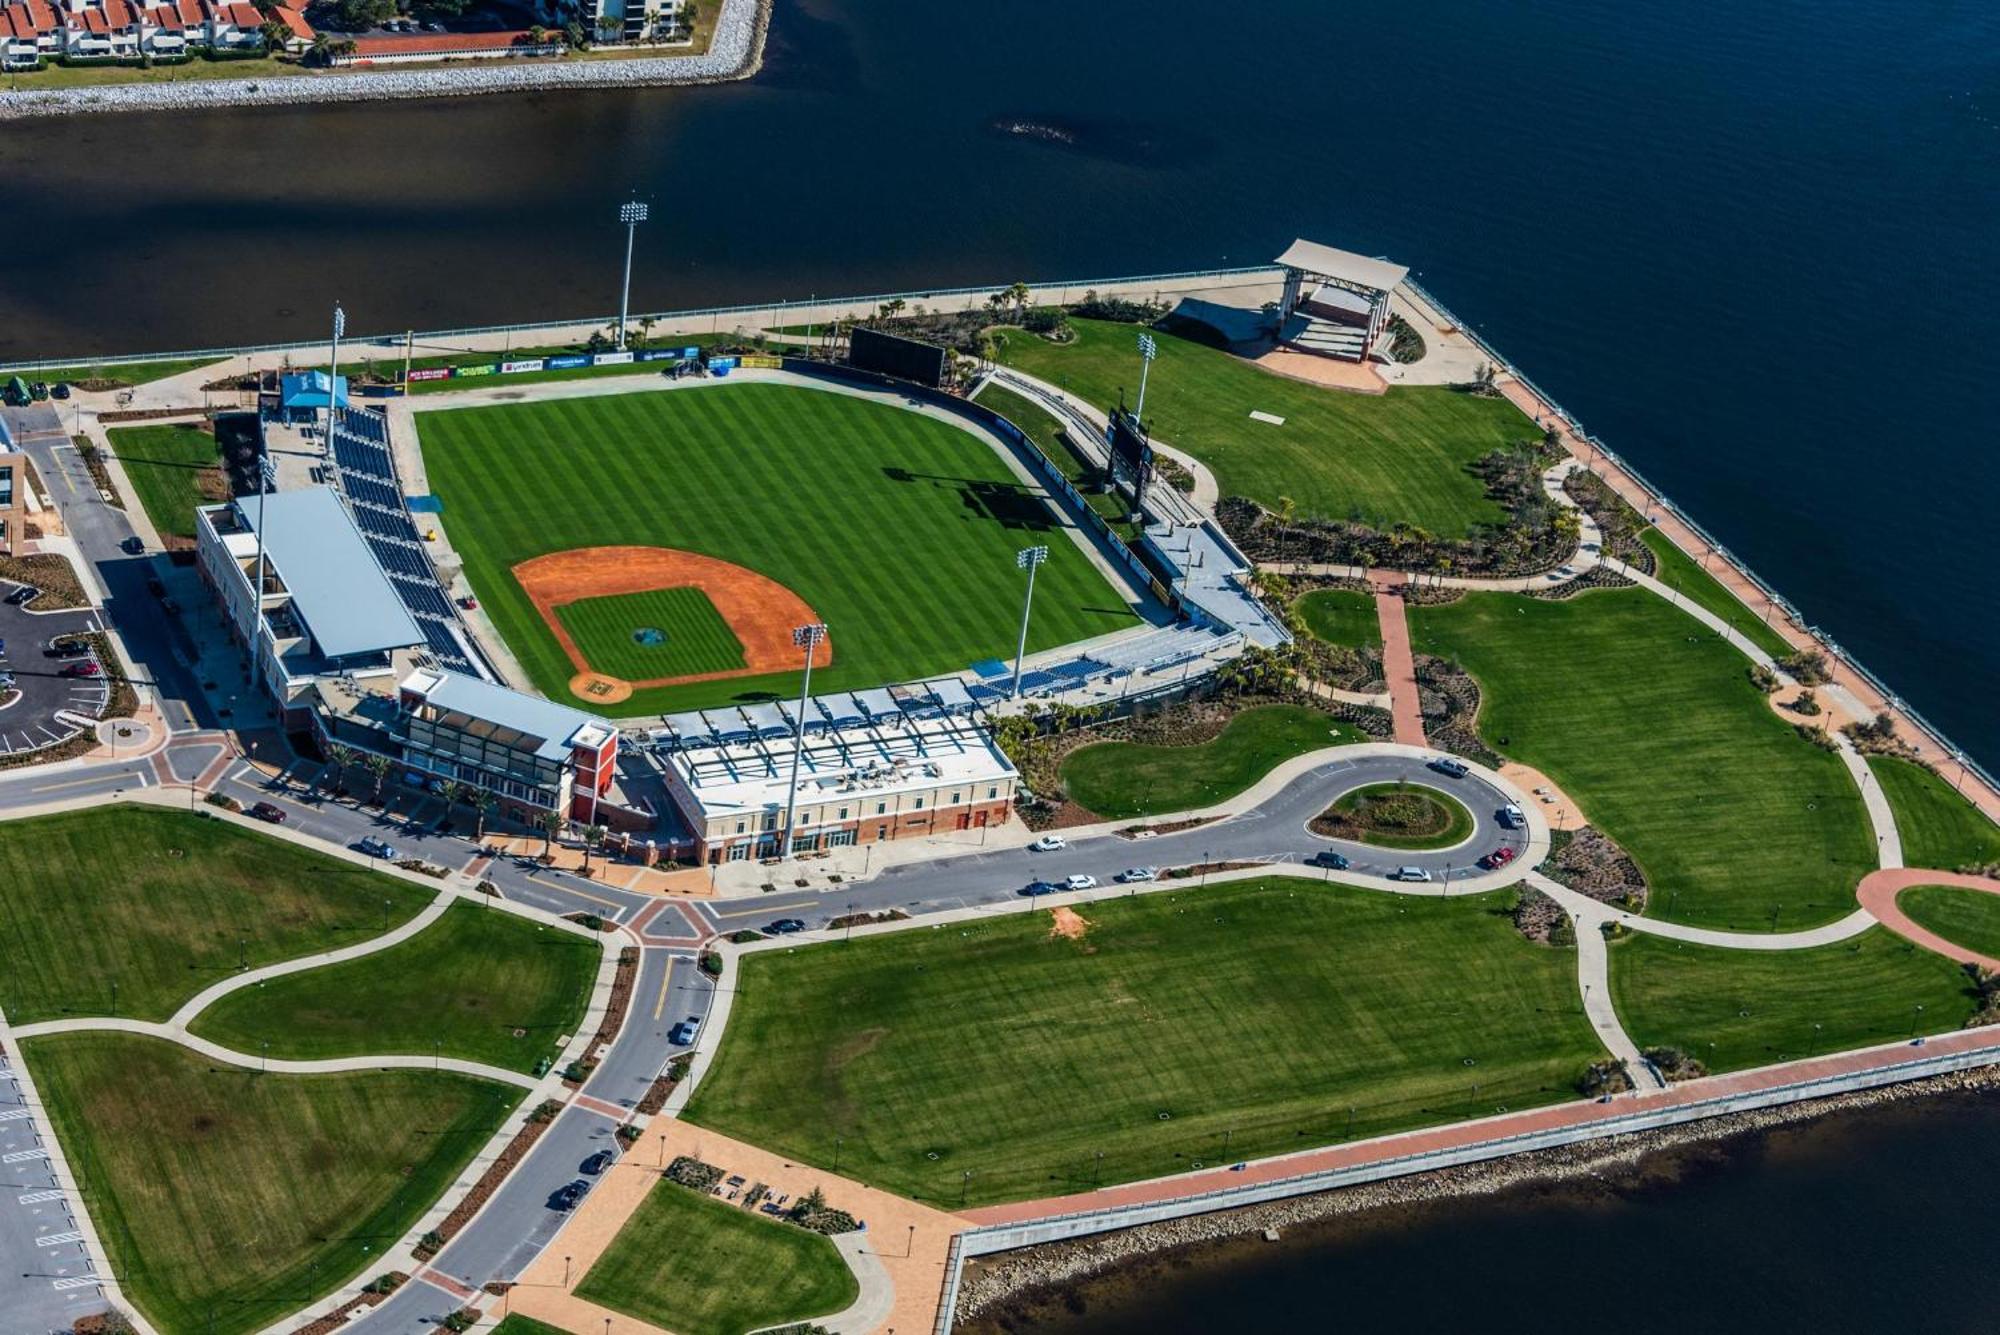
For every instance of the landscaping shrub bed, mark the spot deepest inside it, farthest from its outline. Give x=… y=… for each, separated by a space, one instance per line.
x=1618 y=521
x=1449 y=699
x=1591 y=863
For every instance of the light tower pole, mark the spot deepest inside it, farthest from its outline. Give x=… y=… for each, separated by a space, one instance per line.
x=333 y=374
x=1027 y=559
x=808 y=638
x=1148 y=350
x=631 y=215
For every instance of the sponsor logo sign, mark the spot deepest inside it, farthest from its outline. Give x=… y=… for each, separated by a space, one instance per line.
x=690 y=353
x=460 y=372
x=513 y=368
x=611 y=359
x=568 y=361
x=431 y=373
x=660 y=355
x=722 y=363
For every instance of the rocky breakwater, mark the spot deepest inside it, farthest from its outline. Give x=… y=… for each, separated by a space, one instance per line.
x=736 y=51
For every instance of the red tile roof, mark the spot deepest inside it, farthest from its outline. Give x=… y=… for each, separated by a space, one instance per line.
x=190 y=12
x=41 y=15
x=118 y=13
x=439 y=43
x=93 y=21
x=295 y=21
x=242 y=15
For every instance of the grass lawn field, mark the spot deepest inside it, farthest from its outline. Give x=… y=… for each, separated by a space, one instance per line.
x=1939 y=828
x=1736 y=1008
x=1403 y=455
x=122 y=373
x=693 y=637
x=898 y=529
x=1969 y=918
x=1345 y=617
x=228 y=1198
x=1183 y=1028
x=166 y=464
x=1049 y=437
x=1120 y=779
x=165 y=903
x=1652 y=725
x=697 y=1266
x=516 y=1324
x=1396 y=815
x=468 y=982
x=1682 y=573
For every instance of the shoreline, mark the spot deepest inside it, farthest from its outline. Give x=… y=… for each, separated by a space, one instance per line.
x=735 y=52
x=1003 y=1291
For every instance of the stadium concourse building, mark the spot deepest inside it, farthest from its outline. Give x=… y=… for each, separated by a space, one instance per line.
x=342 y=659
x=880 y=764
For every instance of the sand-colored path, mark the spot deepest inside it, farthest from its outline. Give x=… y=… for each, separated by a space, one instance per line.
x=1878 y=892
x=1399 y=664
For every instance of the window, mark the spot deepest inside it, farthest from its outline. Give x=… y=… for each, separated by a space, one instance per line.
x=739 y=826
x=920 y=804
x=955 y=796
x=993 y=792
x=881 y=807
x=843 y=813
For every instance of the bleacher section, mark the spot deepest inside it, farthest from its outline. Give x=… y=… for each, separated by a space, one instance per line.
x=365 y=470
x=1153 y=652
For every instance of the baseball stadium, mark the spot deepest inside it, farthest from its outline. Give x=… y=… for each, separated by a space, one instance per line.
x=636 y=554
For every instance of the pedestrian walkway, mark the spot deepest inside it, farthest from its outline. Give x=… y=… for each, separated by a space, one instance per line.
x=1399 y=664
x=1878 y=892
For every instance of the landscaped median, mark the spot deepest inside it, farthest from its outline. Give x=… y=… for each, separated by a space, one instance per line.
x=228 y=1198
x=1030 y=1054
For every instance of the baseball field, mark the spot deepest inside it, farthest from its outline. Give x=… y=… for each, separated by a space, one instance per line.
x=650 y=552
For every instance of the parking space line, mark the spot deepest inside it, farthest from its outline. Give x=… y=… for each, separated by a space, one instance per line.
x=37 y=1197
x=58 y=1239
x=75 y=1282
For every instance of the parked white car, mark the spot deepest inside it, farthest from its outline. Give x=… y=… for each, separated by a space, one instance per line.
x=1409 y=874
x=1081 y=882
x=1049 y=843
x=1135 y=874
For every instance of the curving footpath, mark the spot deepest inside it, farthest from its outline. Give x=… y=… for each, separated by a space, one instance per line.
x=1878 y=894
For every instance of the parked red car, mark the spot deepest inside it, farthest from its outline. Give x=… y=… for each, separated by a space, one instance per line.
x=265 y=811
x=1498 y=858
x=82 y=668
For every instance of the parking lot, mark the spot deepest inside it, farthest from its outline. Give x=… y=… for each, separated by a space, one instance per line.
x=39 y=1237
x=51 y=701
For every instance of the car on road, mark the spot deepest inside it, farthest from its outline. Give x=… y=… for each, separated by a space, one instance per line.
x=1049 y=843
x=378 y=848
x=683 y=1034
x=1456 y=769
x=1080 y=881
x=566 y=1197
x=1511 y=817
x=133 y=545
x=60 y=389
x=83 y=667
x=785 y=926
x=1033 y=888
x=22 y=595
x=156 y=586
x=1326 y=857
x=1409 y=874
x=1135 y=875
x=597 y=1163
x=265 y=811
x=1498 y=858
x=71 y=648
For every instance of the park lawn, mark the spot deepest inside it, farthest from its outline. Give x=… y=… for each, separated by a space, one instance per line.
x=997 y=1059
x=516 y=1324
x=1398 y=815
x=1380 y=458
x=697 y=638
x=1732 y=1008
x=899 y=530
x=1345 y=617
x=166 y=465
x=697 y=1266
x=459 y=988
x=1120 y=779
x=1682 y=573
x=1939 y=828
x=124 y=374
x=229 y=1198
x=1653 y=726
x=1050 y=438
x=1962 y=916
x=163 y=903
x=198 y=70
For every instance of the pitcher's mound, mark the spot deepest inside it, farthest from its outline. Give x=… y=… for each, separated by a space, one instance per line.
x=599 y=689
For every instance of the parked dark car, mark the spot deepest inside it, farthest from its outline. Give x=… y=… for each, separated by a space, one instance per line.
x=567 y=1197
x=1445 y=765
x=1326 y=857
x=22 y=595
x=60 y=389
x=265 y=811
x=71 y=648
x=134 y=545
x=786 y=926
x=598 y=1162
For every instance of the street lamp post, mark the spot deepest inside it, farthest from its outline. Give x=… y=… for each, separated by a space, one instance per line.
x=631 y=215
x=1027 y=559
x=1148 y=350
x=808 y=638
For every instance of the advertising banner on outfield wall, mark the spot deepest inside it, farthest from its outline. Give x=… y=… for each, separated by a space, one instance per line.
x=660 y=355
x=568 y=361
x=611 y=359
x=431 y=373
x=460 y=372
x=512 y=368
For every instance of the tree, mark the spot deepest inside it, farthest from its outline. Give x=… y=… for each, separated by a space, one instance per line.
x=574 y=34
x=483 y=800
x=609 y=27
x=379 y=766
x=1287 y=507
x=450 y=790
x=1017 y=296
x=593 y=838
x=550 y=823
x=342 y=757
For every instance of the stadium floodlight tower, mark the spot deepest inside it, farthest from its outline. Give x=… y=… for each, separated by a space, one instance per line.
x=333 y=375
x=631 y=214
x=808 y=638
x=1026 y=559
x=1148 y=350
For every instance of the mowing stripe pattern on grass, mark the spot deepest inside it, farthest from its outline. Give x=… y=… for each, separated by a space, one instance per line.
x=613 y=634
x=1119 y=779
x=167 y=465
x=899 y=529
x=1939 y=828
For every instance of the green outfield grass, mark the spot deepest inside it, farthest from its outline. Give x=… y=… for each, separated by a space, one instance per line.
x=1736 y=1008
x=480 y=984
x=228 y=1199
x=1653 y=726
x=898 y=529
x=1939 y=828
x=1683 y=574
x=697 y=638
x=1969 y=918
x=1345 y=617
x=697 y=1266
x=164 y=903
x=1402 y=455
x=1185 y=1027
x=1121 y=779
x=165 y=464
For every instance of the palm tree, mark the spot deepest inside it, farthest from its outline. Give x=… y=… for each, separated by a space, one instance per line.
x=450 y=790
x=483 y=801
x=1287 y=507
x=379 y=766
x=550 y=823
x=1018 y=294
x=593 y=838
x=342 y=757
